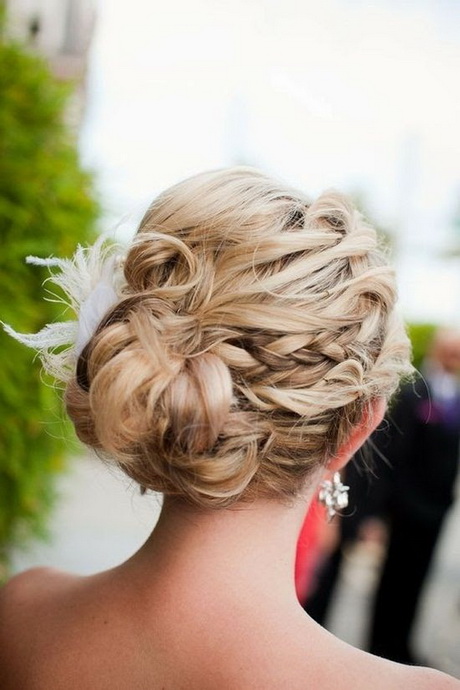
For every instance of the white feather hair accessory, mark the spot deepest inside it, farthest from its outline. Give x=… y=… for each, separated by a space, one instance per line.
x=92 y=282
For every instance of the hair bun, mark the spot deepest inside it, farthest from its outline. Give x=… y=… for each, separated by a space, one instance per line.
x=199 y=400
x=253 y=330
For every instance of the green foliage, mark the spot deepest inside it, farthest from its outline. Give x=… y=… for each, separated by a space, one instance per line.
x=421 y=335
x=46 y=207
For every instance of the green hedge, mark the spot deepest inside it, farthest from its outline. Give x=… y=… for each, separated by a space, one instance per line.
x=421 y=335
x=46 y=207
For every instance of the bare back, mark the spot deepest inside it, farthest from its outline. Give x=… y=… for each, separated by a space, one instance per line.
x=62 y=631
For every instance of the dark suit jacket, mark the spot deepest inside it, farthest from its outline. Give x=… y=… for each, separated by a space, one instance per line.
x=420 y=439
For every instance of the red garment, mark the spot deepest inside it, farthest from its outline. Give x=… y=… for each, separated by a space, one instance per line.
x=309 y=549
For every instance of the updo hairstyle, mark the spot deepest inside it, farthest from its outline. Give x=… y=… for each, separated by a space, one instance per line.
x=253 y=331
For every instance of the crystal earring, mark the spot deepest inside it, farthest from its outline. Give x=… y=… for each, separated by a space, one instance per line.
x=333 y=495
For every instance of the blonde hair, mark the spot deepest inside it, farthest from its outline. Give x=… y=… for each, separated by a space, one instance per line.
x=253 y=331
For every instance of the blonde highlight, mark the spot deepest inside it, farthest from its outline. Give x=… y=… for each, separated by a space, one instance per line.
x=253 y=331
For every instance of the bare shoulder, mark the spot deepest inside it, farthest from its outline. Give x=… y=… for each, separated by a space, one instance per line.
x=416 y=677
x=367 y=670
x=429 y=679
x=26 y=601
x=28 y=595
x=29 y=589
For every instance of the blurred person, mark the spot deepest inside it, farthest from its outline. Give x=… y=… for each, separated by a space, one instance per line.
x=312 y=543
x=421 y=443
x=233 y=358
x=411 y=489
x=363 y=520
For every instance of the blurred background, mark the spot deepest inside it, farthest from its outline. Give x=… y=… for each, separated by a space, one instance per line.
x=105 y=103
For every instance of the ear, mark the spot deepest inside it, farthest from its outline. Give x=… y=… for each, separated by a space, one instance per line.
x=371 y=418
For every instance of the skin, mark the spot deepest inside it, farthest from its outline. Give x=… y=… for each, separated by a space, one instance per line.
x=445 y=351
x=208 y=602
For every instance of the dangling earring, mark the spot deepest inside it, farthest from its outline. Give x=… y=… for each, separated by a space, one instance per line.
x=333 y=495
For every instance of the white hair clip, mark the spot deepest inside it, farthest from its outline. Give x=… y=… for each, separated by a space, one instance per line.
x=92 y=283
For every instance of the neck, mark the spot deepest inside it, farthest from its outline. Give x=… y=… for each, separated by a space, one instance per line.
x=247 y=550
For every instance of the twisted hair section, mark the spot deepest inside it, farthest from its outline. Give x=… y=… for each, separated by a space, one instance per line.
x=254 y=329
